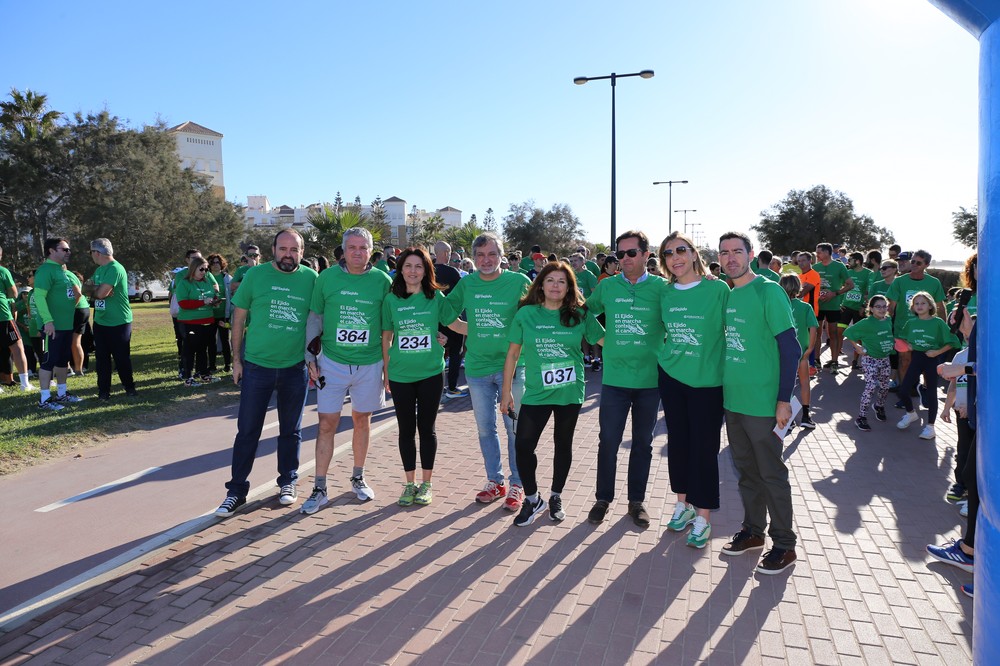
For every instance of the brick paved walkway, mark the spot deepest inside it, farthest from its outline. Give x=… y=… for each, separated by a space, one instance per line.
x=456 y=583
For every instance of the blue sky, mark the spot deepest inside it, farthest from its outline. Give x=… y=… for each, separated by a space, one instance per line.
x=472 y=105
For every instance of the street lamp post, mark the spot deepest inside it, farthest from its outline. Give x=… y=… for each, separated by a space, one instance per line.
x=580 y=80
x=670 y=201
x=686 y=211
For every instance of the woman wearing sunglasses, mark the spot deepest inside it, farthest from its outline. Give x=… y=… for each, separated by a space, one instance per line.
x=197 y=298
x=693 y=310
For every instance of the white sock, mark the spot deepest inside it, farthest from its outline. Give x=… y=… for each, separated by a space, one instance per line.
x=532 y=498
x=44 y=395
x=24 y=379
x=60 y=390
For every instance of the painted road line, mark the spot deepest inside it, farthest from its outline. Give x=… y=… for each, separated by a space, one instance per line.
x=98 y=490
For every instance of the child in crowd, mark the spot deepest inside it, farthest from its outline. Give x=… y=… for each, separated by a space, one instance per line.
x=807 y=331
x=873 y=342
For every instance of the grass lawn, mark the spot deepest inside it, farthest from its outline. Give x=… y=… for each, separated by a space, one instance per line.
x=28 y=434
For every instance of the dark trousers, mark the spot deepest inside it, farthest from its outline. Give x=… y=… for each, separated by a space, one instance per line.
x=113 y=342
x=417 y=406
x=197 y=337
x=971 y=484
x=921 y=364
x=179 y=338
x=763 y=477
x=33 y=352
x=220 y=341
x=694 y=435
x=531 y=421
x=966 y=442
x=456 y=342
x=616 y=403
x=256 y=388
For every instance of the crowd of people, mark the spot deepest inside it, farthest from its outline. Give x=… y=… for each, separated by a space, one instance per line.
x=712 y=345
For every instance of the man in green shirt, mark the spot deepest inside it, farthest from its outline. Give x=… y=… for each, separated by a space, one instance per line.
x=10 y=338
x=346 y=315
x=587 y=282
x=112 y=320
x=757 y=380
x=763 y=266
x=900 y=293
x=630 y=303
x=489 y=297
x=834 y=282
x=253 y=258
x=594 y=269
x=278 y=295
x=56 y=294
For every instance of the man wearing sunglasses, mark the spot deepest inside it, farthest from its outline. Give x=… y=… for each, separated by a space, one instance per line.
x=56 y=293
x=253 y=258
x=630 y=302
x=902 y=290
x=834 y=283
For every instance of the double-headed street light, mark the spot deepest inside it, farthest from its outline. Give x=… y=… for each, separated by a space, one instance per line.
x=670 y=201
x=580 y=80
x=686 y=211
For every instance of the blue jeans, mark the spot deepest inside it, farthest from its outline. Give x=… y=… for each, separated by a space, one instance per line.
x=485 y=395
x=256 y=387
x=615 y=405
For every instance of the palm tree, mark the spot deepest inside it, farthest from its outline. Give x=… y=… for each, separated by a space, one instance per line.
x=27 y=114
x=463 y=236
x=328 y=227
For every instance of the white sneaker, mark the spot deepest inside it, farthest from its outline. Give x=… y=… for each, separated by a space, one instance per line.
x=964 y=511
x=927 y=432
x=908 y=418
x=362 y=489
x=28 y=388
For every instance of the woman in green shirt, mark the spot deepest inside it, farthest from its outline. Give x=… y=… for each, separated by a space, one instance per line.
x=217 y=264
x=690 y=382
x=546 y=334
x=197 y=297
x=414 y=363
x=807 y=332
x=873 y=343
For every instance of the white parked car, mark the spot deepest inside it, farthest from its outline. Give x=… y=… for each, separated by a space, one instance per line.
x=146 y=290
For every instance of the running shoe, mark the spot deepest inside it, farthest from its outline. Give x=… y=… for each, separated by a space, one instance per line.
x=529 y=511
x=700 y=534
x=424 y=495
x=452 y=394
x=515 y=498
x=908 y=418
x=952 y=554
x=880 y=413
x=50 y=405
x=315 y=501
x=556 y=512
x=927 y=432
x=862 y=424
x=362 y=489
x=683 y=516
x=807 y=422
x=955 y=493
x=68 y=399
x=492 y=492
x=409 y=494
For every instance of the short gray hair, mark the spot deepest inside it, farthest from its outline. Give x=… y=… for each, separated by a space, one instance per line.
x=360 y=232
x=487 y=237
x=102 y=245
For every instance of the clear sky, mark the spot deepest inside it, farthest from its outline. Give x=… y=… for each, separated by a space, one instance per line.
x=472 y=105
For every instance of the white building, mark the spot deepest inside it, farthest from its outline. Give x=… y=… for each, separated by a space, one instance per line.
x=200 y=149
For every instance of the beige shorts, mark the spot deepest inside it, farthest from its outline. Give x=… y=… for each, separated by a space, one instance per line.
x=363 y=382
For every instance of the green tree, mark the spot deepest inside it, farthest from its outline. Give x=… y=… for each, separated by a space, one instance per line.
x=327 y=227
x=804 y=218
x=338 y=202
x=966 y=226
x=462 y=237
x=556 y=230
x=490 y=221
x=378 y=211
x=424 y=233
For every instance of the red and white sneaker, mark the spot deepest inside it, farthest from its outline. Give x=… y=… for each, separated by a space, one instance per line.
x=492 y=492
x=514 y=498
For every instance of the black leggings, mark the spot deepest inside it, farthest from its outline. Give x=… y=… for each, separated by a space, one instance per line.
x=222 y=331
x=417 y=409
x=971 y=484
x=454 y=348
x=197 y=337
x=531 y=421
x=921 y=364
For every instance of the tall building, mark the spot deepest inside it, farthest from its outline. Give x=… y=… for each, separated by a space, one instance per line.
x=200 y=149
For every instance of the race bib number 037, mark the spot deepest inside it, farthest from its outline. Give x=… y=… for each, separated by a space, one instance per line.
x=351 y=336
x=557 y=376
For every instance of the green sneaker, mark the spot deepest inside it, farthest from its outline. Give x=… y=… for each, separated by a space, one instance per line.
x=424 y=495
x=409 y=494
x=700 y=533
x=683 y=516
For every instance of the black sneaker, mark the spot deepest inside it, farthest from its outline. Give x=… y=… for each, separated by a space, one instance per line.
x=807 y=422
x=899 y=405
x=529 y=512
x=229 y=505
x=743 y=541
x=955 y=493
x=638 y=513
x=598 y=511
x=556 y=512
x=775 y=561
x=862 y=424
x=596 y=365
x=880 y=414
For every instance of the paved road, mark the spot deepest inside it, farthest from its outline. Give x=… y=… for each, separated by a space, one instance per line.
x=456 y=583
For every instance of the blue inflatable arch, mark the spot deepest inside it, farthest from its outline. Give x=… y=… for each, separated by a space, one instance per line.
x=980 y=17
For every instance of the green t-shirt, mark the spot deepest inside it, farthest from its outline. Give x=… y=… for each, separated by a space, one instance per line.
x=634 y=329
x=586 y=281
x=6 y=282
x=278 y=303
x=926 y=334
x=24 y=319
x=35 y=325
x=755 y=314
x=383 y=266
x=831 y=278
x=197 y=290
x=695 y=332
x=874 y=334
x=351 y=306
x=59 y=304
x=114 y=310
x=415 y=353
x=855 y=298
x=552 y=356
x=878 y=287
x=219 y=311
x=593 y=268
x=490 y=307
x=527 y=263
x=767 y=273
x=804 y=318
x=239 y=274
x=902 y=290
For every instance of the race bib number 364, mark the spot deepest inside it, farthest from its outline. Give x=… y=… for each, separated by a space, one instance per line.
x=352 y=337
x=557 y=376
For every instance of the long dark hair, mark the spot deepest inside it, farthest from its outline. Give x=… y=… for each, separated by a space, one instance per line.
x=196 y=263
x=428 y=285
x=572 y=309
